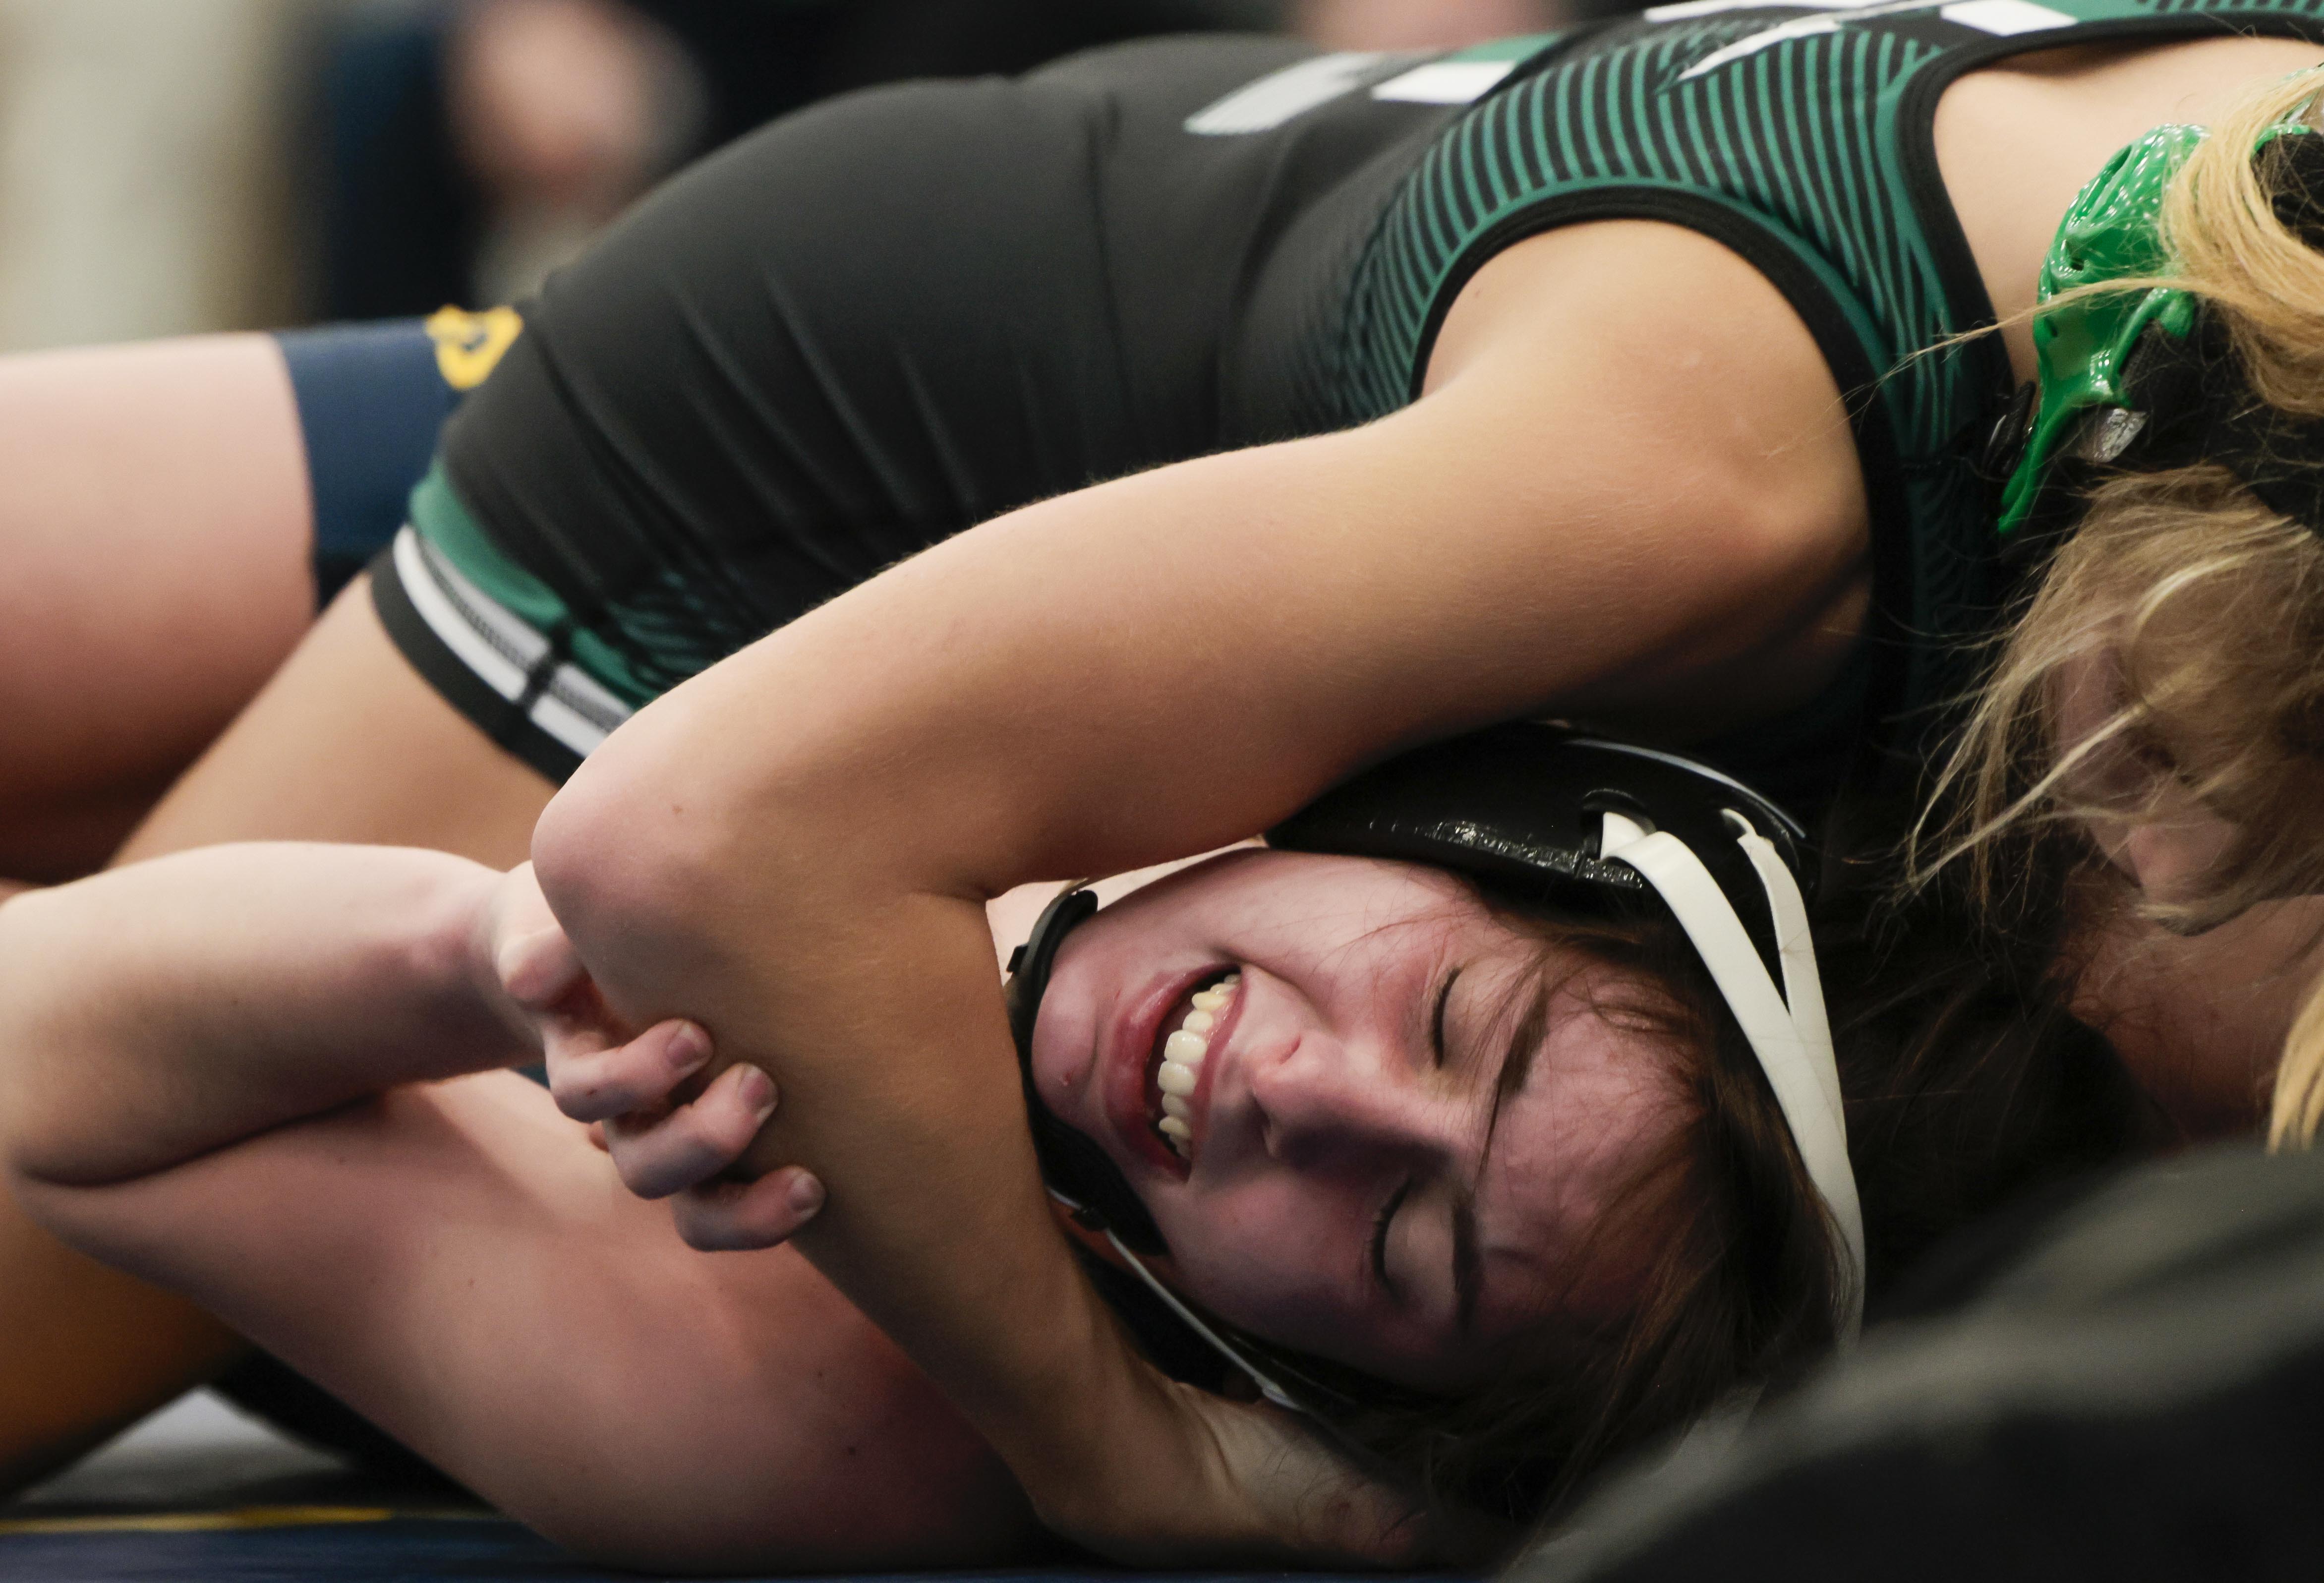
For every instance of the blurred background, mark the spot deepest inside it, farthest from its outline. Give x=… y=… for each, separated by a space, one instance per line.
x=171 y=166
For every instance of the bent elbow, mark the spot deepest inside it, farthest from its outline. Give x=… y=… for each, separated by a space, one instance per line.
x=617 y=856
x=650 y=864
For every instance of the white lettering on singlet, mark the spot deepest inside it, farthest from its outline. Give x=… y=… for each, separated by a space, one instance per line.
x=2002 y=18
x=1274 y=99
x=2006 y=18
x=1689 y=9
x=1445 y=82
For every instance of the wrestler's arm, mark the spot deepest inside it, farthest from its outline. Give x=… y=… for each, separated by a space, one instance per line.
x=152 y=1014
x=158 y=1013
x=1613 y=502
x=193 y=1055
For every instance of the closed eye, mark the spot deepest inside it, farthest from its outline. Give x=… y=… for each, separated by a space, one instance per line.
x=1436 y=1017
x=1380 y=1240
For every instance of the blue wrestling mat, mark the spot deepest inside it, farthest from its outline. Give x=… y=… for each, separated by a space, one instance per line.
x=279 y=1542
x=199 y=1493
x=357 y=1546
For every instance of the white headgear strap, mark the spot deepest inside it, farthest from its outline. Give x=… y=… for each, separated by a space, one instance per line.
x=1789 y=1033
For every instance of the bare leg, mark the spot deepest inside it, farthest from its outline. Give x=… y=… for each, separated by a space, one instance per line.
x=347 y=743
x=155 y=533
x=89 y=1349
x=155 y=530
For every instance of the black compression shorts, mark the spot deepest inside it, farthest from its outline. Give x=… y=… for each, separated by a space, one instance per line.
x=871 y=326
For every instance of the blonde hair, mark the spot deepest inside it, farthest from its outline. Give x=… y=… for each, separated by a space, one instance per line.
x=2205 y=605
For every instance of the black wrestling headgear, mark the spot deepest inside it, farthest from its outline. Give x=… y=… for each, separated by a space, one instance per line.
x=1538 y=809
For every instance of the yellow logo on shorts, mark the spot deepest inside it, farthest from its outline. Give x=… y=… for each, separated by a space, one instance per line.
x=468 y=344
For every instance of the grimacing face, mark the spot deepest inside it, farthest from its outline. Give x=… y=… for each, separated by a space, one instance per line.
x=1398 y=1130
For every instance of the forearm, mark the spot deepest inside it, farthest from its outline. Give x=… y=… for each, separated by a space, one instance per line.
x=982 y=1293
x=901 y=1092
x=160 y=1011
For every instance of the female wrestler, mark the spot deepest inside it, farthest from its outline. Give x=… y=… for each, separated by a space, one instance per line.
x=2158 y=700
x=1184 y=260
x=231 y=1106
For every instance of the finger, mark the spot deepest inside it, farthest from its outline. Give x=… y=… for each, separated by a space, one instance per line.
x=591 y=1084
x=538 y=969
x=696 y=1142
x=730 y=1217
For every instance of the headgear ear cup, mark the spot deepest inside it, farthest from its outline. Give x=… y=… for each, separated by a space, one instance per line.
x=1077 y=1170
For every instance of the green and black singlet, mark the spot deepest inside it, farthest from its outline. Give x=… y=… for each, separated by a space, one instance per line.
x=883 y=320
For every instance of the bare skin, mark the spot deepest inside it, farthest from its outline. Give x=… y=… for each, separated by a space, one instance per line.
x=151 y=596
x=92 y=1350
x=2016 y=142
x=305 y=762
x=1731 y=592
x=2199 y=1020
x=776 y=1366
x=454 y=1255
x=170 y=585
x=270 y=1109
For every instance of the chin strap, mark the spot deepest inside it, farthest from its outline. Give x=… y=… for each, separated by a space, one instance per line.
x=1788 y=1032
x=1268 y=1386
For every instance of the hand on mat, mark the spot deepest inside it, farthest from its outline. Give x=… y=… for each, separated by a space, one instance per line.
x=669 y=1134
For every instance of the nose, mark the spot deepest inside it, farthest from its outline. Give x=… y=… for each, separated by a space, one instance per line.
x=1325 y=1104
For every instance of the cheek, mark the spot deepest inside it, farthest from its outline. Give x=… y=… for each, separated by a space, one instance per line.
x=1083 y=989
x=1287 y=1268
x=1063 y=1041
x=2170 y=858
x=1259 y=1256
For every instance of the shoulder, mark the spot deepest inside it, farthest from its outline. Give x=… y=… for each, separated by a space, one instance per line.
x=1659 y=336
x=1663 y=402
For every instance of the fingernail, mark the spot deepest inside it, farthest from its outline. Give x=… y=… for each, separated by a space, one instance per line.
x=756 y=1089
x=688 y=1048
x=805 y=1194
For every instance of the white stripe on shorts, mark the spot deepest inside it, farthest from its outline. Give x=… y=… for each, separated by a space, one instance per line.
x=502 y=649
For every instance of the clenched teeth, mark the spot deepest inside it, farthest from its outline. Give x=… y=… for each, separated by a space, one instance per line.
x=1183 y=1053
